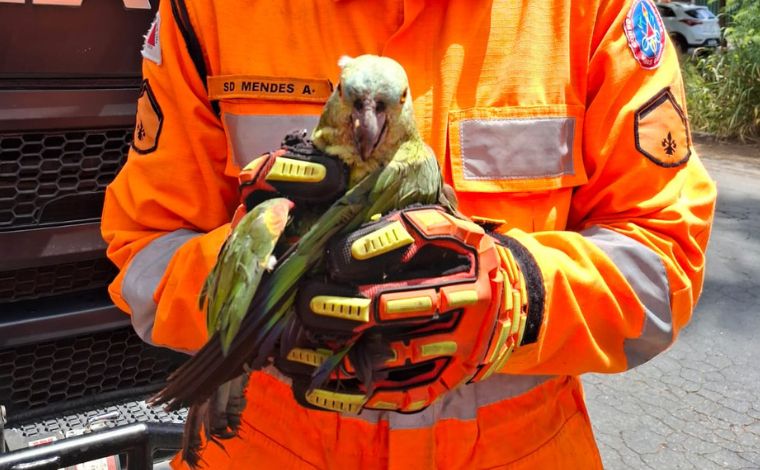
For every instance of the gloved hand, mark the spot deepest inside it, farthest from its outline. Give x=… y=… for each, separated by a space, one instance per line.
x=296 y=171
x=429 y=302
x=299 y=173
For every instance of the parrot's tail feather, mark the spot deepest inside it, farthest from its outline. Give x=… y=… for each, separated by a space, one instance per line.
x=266 y=343
x=191 y=383
x=290 y=336
x=368 y=357
x=197 y=379
x=217 y=410
x=236 y=403
x=219 y=418
x=191 y=438
x=320 y=376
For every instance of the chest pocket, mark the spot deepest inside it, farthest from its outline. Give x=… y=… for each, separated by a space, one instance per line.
x=517 y=164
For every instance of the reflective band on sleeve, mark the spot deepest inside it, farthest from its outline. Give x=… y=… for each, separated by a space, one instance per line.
x=645 y=272
x=144 y=274
x=461 y=403
x=500 y=149
x=252 y=135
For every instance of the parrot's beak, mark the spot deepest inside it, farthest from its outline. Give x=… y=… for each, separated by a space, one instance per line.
x=369 y=127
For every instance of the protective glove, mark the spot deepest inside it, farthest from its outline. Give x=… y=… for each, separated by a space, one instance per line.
x=424 y=302
x=296 y=171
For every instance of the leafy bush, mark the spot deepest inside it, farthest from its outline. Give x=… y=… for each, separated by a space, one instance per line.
x=723 y=88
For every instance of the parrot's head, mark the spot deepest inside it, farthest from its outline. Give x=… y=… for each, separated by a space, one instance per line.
x=376 y=91
x=369 y=113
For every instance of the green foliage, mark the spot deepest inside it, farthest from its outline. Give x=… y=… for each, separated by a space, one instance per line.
x=723 y=88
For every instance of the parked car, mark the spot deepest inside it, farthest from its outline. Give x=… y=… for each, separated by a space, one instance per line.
x=690 y=26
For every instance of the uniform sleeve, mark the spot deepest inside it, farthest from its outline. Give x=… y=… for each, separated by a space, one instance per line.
x=618 y=287
x=166 y=214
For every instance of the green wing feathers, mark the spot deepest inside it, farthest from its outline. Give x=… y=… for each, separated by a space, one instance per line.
x=244 y=258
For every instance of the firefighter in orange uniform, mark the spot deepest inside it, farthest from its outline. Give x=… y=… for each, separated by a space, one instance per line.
x=561 y=121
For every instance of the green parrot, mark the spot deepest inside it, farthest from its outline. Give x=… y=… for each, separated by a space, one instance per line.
x=368 y=123
x=244 y=258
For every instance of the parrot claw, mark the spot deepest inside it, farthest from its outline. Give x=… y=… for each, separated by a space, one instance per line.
x=271 y=263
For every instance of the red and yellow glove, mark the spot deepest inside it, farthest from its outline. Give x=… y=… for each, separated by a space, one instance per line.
x=297 y=171
x=428 y=300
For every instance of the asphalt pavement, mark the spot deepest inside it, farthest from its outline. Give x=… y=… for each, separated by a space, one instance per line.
x=697 y=406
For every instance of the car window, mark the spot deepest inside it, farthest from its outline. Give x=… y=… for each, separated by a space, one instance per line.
x=665 y=11
x=700 y=13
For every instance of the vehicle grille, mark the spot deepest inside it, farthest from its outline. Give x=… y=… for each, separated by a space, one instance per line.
x=47 y=281
x=57 y=177
x=60 y=371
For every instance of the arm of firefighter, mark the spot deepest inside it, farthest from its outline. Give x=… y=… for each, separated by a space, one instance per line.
x=166 y=214
x=617 y=290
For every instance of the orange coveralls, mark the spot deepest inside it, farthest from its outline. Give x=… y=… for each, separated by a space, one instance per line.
x=540 y=115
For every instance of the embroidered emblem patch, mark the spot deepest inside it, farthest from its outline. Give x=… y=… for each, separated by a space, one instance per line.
x=662 y=132
x=151 y=49
x=645 y=33
x=148 y=122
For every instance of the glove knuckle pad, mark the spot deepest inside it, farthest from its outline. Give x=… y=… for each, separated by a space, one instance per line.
x=434 y=223
x=378 y=247
x=324 y=307
x=315 y=179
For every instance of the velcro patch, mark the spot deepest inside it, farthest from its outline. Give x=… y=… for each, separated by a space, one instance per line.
x=151 y=49
x=148 y=122
x=645 y=33
x=269 y=88
x=662 y=132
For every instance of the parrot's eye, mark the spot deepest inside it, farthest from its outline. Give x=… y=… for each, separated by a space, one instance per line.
x=380 y=106
x=358 y=105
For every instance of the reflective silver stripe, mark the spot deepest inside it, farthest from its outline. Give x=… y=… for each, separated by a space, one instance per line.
x=144 y=274
x=461 y=403
x=253 y=135
x=502 y=149
x=646 y=274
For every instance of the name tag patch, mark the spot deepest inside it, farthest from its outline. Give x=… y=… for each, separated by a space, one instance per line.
x=269 y=88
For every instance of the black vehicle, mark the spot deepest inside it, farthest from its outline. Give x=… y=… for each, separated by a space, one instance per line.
x=69 y=80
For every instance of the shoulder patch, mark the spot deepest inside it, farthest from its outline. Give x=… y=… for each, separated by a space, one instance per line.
x=662 y=132
x=151 y=49
x=645 y=33
x=148 y=122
